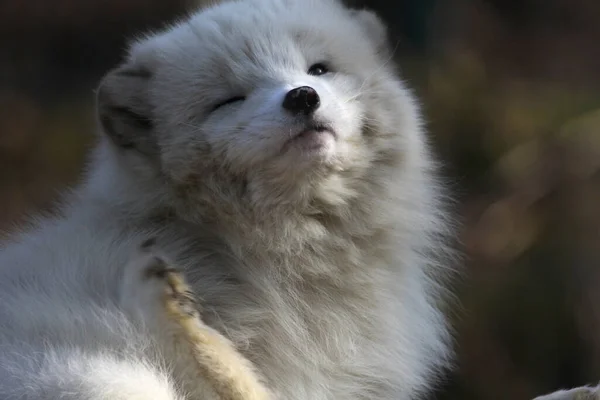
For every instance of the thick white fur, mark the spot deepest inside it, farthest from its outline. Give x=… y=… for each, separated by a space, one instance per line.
x=323 y=267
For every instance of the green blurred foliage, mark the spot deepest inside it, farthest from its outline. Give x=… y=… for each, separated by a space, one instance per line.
x=511 y=95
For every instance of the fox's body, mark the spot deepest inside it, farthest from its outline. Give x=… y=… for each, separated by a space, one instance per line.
x=279 y=161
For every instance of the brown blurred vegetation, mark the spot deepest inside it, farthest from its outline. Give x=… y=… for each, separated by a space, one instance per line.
x=511 y=92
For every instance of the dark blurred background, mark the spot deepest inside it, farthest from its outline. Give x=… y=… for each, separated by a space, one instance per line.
x=511 y=92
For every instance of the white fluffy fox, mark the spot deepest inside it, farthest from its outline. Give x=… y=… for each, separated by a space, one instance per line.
x=272 y=151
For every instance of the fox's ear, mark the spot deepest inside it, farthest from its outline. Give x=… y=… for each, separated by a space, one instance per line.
x=124 y=110
x=374 y=28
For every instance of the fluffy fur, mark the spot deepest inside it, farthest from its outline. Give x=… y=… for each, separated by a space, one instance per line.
x=314 y=241
x=218 y=365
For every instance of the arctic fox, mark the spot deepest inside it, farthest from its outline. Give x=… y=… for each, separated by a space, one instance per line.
x=272 y=152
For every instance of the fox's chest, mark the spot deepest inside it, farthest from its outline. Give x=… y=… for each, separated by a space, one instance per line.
x=307 y=344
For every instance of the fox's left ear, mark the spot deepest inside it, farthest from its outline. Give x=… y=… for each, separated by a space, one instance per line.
x=124 y=110
x=375 y=29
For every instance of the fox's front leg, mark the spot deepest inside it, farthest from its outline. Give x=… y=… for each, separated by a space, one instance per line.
x=211 y=359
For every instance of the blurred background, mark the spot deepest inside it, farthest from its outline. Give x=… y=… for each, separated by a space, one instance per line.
x=511 y=93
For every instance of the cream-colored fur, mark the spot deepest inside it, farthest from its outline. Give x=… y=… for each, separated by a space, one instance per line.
x=316 y=241
x=218 y=364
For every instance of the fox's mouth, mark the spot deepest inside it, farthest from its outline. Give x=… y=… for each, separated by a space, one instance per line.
x=312 y=137
x=314 y=129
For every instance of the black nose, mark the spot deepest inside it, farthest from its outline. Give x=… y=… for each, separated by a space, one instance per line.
x=303 y=99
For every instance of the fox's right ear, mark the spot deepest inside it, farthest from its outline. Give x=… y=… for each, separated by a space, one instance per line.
x=124 y=110
x=374 y=28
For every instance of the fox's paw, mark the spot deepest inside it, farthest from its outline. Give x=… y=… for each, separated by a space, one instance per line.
x=177 y=296
x=151 y=282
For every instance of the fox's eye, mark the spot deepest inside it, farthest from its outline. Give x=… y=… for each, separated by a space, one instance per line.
x=229 y=101
x=318 y=69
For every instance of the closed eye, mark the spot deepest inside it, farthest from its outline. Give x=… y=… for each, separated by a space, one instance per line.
x=229 y=101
